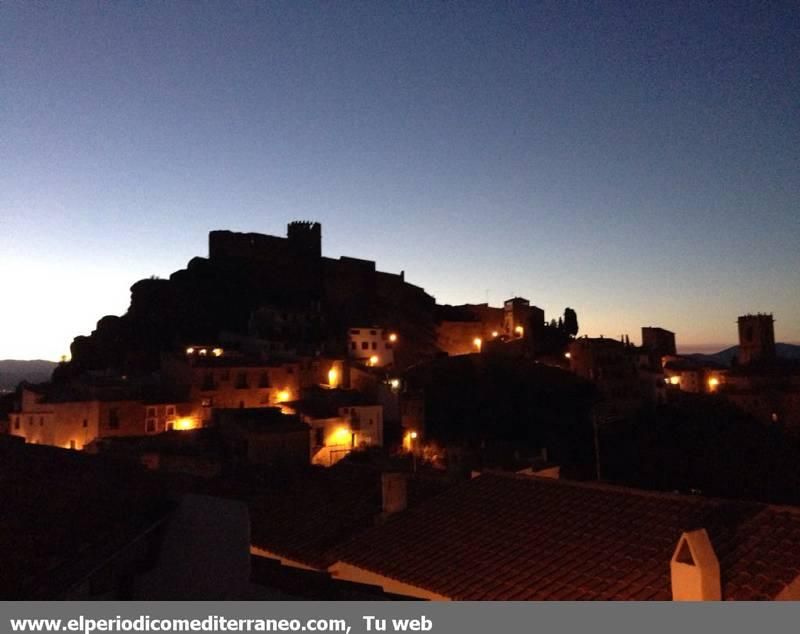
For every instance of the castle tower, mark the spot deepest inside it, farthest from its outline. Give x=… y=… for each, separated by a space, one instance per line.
x=756 y=338
x=305 y=237
x=659 y=341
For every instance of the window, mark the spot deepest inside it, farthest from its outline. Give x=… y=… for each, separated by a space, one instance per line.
x=365 y=345
x=374 y=345
x=150 y=426
x=151 y=411
x=85 y=422
x=319 y=437
x=388 y=345
x=355 y=331
x=263 y=380
x=372 y=332
x=41 y=421
x=170 y=411
x=208 y=381
x=113 y=418
x=353 y=345
x=16 y=423
x=241 y=381
x=30 y=420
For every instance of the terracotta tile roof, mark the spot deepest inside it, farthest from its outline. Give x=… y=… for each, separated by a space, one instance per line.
x=304 y=518
x=511 y=537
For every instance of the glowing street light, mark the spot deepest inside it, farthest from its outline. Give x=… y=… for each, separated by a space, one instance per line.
x=395 y=383
x=217 y=352
x=567 y=355
x=373 y=360
x=477 y=342
x=495 y=334
x=189 y=350
x=675 y=380
x=393 y=337
x=333 y=377
x=413 y=435
x=184 y=423
x=519 y=330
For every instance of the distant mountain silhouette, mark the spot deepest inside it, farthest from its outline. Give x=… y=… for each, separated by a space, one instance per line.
x=13 y=371
x=725 y=357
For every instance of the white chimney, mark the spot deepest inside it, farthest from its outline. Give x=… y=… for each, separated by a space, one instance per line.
x=694 y=569
x=395 y=492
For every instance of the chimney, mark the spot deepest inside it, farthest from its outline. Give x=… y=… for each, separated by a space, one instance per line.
x=395 y=492
x=694 y=569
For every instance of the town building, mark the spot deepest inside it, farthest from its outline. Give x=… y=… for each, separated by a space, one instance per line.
x=221 y=378
x=73 y=416
x=756 y=338
x=264 y=436
x=613 y=367
x=340 y=421
x=464 y=329
x=519 y=317
x=372 y=345
x=760 y=383
x=511 y=537
x=471 y=328
x=689 y=374
x=658 y=341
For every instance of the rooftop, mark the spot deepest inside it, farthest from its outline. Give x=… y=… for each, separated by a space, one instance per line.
x=323 y=403
x=511 y=537
x=65 y=512
x=306 y=514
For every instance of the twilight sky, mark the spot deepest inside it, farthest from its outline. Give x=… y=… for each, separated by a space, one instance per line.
x=637 y=161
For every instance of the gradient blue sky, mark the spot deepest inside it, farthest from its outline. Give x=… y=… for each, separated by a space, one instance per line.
x=637 y=161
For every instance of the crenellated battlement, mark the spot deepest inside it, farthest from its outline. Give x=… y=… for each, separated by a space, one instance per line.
x=302 y=238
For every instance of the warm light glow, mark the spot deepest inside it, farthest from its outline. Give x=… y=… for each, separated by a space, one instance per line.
x=333 y=377
x=341 y=435
x=189 y=350
x=283 y=396
x=395 y=383
x=713 y=382
x=373 y=360
x=477 y=342
x=203 y=352
x=217 y=352
x=675 y=380
x=495 y=333
x=413 y=435
x=519 y=330
x=568 y=355
x=393 y=337
x=184 y=423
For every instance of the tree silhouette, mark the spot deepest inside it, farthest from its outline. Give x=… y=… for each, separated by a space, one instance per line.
x=570 y=322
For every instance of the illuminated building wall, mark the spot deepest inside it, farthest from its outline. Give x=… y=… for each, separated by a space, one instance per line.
x=372 y=345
